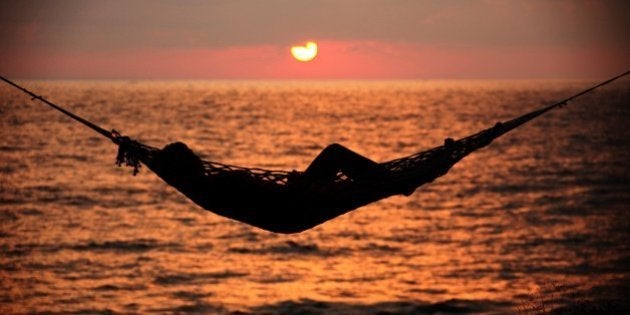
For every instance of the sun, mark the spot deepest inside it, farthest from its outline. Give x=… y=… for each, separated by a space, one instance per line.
x=304 y=53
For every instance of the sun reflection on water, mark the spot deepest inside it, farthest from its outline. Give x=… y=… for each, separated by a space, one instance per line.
x=547 y=202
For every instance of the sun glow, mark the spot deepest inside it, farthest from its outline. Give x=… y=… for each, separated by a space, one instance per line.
x=304 y=53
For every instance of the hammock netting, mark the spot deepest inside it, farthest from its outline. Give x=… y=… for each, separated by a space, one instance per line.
x=271 y=201
x=279 y=201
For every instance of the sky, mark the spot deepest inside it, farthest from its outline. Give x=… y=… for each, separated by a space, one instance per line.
x=367 y=39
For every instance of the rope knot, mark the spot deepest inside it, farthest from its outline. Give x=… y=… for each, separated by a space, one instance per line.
x=128 y=152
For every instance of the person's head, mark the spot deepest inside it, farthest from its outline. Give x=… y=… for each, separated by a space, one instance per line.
x=179 y=158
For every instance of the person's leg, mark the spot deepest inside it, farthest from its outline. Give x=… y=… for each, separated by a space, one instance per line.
x=335 y=158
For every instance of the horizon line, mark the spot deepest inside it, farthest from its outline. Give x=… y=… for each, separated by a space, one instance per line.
x=446 y=78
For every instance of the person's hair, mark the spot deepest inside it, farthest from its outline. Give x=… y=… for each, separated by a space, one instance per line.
x=178 y=157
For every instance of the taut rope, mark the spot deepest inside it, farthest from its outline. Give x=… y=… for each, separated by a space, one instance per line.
x=112 y=135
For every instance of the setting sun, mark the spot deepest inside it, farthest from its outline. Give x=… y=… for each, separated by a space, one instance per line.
x=304 y=53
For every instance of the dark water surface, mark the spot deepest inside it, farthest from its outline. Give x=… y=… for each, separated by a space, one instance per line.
x=544 y=211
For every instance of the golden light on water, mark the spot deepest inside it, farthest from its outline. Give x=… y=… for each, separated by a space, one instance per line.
x=304 y=53
x=78 y=234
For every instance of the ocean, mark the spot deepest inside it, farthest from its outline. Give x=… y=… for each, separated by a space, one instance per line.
x=539 y=220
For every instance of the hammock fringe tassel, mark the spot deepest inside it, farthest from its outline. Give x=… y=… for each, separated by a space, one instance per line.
x=128 y=153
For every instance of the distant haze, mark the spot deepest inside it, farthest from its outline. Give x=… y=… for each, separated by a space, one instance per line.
x=367 y=39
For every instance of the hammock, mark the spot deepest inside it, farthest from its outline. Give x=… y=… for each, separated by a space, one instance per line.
x=275 y=201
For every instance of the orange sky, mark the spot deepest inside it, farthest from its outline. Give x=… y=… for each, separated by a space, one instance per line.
x=357 y=39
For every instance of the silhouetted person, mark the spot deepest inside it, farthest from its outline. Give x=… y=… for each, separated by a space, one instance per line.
x=181 y=165
x=306 y=199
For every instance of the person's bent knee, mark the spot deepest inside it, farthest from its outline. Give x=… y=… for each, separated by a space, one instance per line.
x=335 y=147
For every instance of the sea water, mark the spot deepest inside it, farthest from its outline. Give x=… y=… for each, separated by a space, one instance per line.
x=537 y=220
